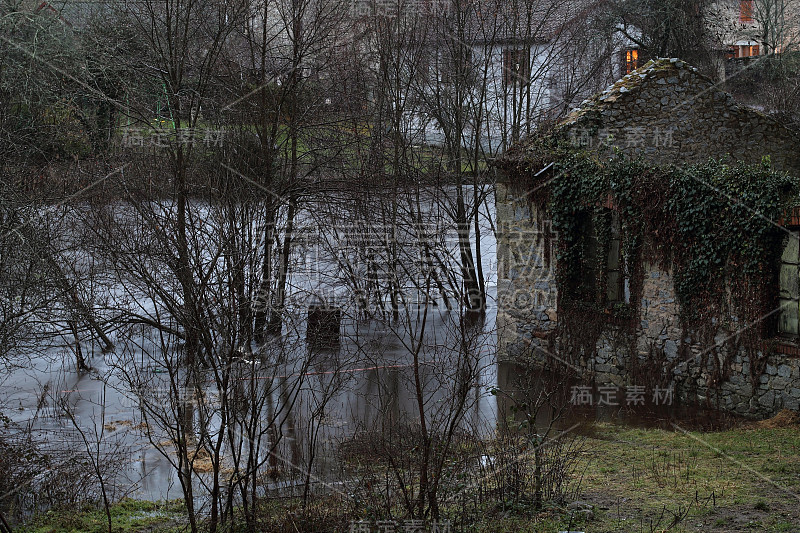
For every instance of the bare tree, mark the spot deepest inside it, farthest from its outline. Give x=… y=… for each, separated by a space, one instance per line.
x=676 y=28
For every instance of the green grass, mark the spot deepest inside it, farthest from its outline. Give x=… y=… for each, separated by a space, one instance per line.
x=637 y=480
x=742 y=479
x=126 y=516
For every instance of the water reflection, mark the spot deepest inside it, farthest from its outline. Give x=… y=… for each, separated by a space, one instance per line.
x=293 y=404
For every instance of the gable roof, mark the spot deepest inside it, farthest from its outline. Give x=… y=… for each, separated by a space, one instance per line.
x=487 y=21
x=502 y=22
x=678 y=115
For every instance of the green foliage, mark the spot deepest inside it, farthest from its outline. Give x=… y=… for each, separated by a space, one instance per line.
x=726 y=227
x=714 y=225
x=127 y=515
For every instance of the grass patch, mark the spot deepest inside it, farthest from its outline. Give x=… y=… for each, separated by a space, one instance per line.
x=737 y=480
x=126 y=516
x=632 y=480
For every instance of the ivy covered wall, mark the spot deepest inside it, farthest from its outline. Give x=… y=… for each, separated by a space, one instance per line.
x=639 y=241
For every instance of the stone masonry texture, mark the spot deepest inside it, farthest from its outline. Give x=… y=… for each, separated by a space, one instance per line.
x=670 y=114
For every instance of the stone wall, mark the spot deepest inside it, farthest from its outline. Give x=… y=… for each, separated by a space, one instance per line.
x=527 y=315
x=670 y=114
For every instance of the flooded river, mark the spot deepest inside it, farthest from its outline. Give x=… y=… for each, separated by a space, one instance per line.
x=317 y=397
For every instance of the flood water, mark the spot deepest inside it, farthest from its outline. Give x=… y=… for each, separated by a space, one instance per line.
x=317 y=398
x=364 y=382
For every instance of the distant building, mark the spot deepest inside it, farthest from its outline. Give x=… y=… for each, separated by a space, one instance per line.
x=520 y=63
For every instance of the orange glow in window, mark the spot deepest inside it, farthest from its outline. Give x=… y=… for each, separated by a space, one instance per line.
x=631 y=60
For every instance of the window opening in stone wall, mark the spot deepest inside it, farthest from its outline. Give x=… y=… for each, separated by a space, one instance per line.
x=617 y=288
x=789 y=286
x=746 y=50
x=588 y=243
x=616 y=284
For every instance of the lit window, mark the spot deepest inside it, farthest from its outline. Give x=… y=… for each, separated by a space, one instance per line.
x=746 y=11
x=748 y=51
x=631 y=60
x=743 y=51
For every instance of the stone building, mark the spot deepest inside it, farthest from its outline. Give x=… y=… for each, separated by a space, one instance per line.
x=667 y=113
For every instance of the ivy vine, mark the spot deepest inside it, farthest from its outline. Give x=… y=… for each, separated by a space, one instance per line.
x=714 y=225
